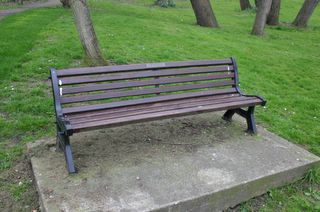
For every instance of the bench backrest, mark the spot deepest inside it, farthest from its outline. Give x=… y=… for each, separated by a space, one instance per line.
x=112 y=83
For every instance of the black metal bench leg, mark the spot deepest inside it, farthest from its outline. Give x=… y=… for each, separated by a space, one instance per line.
x=228 y=115
x=58 y=142
x=68 y=155
x=248 y=115
x=64 y=145
x=252 y=129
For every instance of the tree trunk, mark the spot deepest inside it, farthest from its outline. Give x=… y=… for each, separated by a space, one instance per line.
x=20 y=2
x=273 y=17
x=86 y=31
x=263 y=8
x=204 y=13
x=245 y=4
x=305 y=13
x=165 y=3
x=65 y=3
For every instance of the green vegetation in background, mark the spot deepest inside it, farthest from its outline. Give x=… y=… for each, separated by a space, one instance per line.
x=9 y=4
x=282 y=66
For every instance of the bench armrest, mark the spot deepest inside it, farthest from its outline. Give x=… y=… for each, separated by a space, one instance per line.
x=55 y=91
x=264 y=102
x=62 y=123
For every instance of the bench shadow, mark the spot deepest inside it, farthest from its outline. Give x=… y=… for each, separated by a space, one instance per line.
x=134 y=144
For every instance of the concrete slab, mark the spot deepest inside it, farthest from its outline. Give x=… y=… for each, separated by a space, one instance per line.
x=196 y=163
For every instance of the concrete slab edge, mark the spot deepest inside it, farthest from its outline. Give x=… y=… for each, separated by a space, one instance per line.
x=38 y=187
x=222 y=199
x=237 y=194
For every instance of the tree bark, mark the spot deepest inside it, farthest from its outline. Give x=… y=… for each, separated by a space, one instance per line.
x=204 y=13
x=245 y=4
x=20 y=2
x=65 y=3
x=273 y=17
x=305 y=13
x=86 y=31
x=165 y=3
x=263 y=8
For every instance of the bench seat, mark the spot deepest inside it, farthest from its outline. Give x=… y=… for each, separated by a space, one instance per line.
x=98 y=97
x=154 y=111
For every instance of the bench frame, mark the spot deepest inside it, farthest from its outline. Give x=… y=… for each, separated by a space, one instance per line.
x=65 y=130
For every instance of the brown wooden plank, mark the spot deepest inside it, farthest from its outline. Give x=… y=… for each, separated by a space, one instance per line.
x=117 y=94
x=135 y=67
x=145 y=109
x=149 y=105
x=160 y=81
x=163 y=115
x=163 y=98
x=142 y=74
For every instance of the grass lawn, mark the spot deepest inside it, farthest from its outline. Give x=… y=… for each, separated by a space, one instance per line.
x=282 y=66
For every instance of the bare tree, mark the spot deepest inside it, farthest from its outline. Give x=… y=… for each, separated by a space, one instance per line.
x=204 y=13
x=273 y=17
x=165 y=3
x=263 y=8
x=65 y=3
x=86 y=31
x=20 y=2
x=305 y=13
x=245 y=4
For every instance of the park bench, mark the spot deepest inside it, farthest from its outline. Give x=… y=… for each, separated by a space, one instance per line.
x=98 y=97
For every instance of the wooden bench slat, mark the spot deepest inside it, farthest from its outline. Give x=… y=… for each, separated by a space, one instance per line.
x=163 y=115
x=136 y=92
x=135 y=67
x=91 y=114
x=145 y=109
x=160 y=81
x=102 y=106
x=143 y=74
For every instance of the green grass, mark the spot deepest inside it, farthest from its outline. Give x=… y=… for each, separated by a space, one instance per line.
x=18 y=189
x=282 y=66
x=9 y=6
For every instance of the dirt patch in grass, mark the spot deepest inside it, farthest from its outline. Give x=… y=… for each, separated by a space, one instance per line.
x=17 y=189
x=254 y=204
